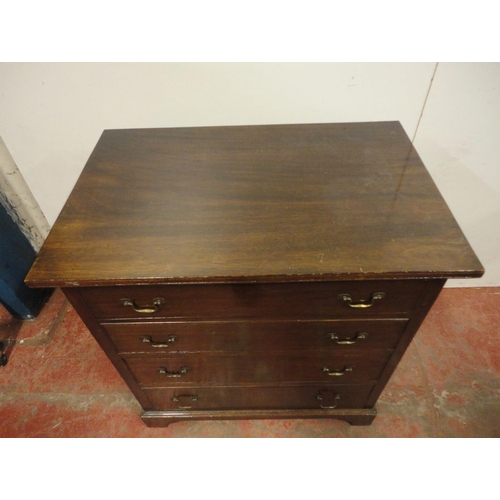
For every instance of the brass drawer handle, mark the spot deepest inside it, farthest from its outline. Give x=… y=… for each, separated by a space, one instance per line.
x=338 y=373
x=362 y=304
x=170 y=340
x=144 y=309
x=319 y=397
x=168 y=374
x=347 y=341
x=177 y=399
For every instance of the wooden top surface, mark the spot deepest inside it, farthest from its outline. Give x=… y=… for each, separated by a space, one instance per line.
x=271 y=203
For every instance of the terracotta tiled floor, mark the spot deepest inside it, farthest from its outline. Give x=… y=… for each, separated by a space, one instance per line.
x=58 y=383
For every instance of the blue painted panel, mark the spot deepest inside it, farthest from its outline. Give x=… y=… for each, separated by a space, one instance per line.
x=16 y=258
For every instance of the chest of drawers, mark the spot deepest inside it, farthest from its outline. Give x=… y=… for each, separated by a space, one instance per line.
x=254 y=272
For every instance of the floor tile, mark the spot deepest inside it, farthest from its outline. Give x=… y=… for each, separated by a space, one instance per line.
x=459 y=346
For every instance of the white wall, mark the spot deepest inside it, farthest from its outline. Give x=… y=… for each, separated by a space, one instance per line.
x=52 y=114
x=459 y=142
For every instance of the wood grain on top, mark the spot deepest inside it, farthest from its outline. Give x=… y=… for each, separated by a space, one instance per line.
x=275 y=203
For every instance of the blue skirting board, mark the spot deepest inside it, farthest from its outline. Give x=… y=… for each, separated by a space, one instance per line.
x=16 y=258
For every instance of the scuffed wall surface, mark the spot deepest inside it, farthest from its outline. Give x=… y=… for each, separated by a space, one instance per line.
x=18 y=201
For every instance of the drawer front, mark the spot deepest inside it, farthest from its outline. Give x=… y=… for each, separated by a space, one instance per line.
x=328 y=368
x=356 y=299
x=258 y=398
x=252 y=336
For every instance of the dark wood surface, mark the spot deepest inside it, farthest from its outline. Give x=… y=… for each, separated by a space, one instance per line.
x=246 y=238
x=266 y=203
x=254 y=336
x=271 y=300
x=262 y=368
x=259 y=398
x=353 y=415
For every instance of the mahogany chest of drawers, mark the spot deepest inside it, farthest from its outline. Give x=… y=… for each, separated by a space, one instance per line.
x=273 y=271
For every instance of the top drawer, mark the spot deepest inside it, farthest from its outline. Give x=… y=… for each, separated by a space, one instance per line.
x=354 y=299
